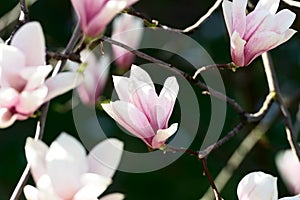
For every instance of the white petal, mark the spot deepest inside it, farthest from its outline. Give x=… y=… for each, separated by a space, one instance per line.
x=122 y=87
x=269 y=5
x=30 y=40
x=66 y=162
x=258 y=185
x=30 y=101
x=62 y=83
x=35 y=151
x=35 y=76
x=227 y=12
x=6 y=118
x=8 y=97
x=31 y=193
x=139 y=74
x=162 y=135
x=237 y=49
x=166 y=101
x=105 y=157
x=291 y=198
x=114 y=196
x=93 y=186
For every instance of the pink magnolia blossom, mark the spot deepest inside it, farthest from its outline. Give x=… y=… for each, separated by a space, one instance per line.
x=128 y=30
x=261 y=30
x=260 y=186
x=289 y=167
x=140 y=110
x=23 y=88
x=95 y=76
x=94 y=15
x=63 y=171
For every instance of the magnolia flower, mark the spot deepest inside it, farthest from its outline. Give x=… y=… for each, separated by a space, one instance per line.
x=23 y=88
x=63 y=171
x=140 y=110
x=121 y=25
x=260 y=31
x=289 y=167
x=95 y=76
x=94 y=15
x=259 y=186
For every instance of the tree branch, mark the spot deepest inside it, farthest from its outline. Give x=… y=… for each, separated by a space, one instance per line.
x=211 y=180
x=274 y=87
x=154 y=23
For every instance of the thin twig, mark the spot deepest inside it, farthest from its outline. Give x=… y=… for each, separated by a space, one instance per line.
x=256 y=117
x=203 y=69
x=292 y=3
x=181 y=149
x=211 y=180
x=274 y=87
x=44 y=110
x=204 y=153
x=24 y=16
x=155 y=23
x=203 y=18
x=61 y=56
x=199 y=84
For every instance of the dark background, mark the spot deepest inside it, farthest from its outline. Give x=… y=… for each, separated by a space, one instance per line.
x=184 y=178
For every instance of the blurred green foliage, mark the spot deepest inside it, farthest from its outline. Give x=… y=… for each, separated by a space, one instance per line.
x=184 y=178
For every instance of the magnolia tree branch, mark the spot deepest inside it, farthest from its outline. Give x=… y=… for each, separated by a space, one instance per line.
x=211 y=180
x=274 y=87
x=247 y=144
x=154 y=23
x=40 y=128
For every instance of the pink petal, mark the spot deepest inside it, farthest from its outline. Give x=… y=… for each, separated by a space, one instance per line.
x=78 y=6
x=30 y=101
x=269 y=5
x=66 y=161
x=35 y=76
x=130 y=118
x=166 y=101
x=30 y=40
x=282 y=21
x=237 y=49
x=35 y=151
x=227 y=12
x=128 y=30
x=264 y=41
x=162 y=135
x=62 y=83
x=254 y=21
x=108 y=12
x=6 y=118
x=144 y=97
x=239 y=16
x=114 y=196
x=8 y=97
x=105 y=157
